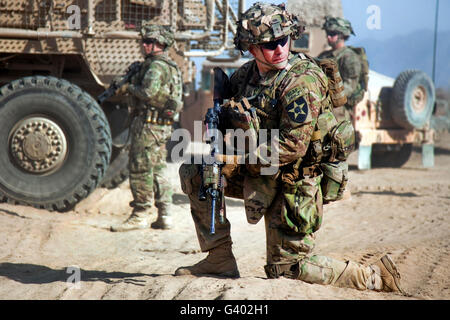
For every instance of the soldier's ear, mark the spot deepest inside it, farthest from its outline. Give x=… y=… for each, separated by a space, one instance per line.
x=252 y=49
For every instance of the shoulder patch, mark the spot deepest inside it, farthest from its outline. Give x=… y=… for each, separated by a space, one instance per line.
x=298 y=110
x=293 y=94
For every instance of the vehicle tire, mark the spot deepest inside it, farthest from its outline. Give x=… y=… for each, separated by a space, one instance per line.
x=118 y=170
x=412 y=99
x=55 y=143
x=390 y=155
x=119 y=122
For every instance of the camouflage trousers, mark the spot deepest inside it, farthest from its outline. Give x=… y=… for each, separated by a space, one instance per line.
x=289 y=253
x=147 y=164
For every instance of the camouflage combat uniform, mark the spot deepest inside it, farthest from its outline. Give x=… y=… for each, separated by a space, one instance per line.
x=348 y=61
x=156 y=92
x=289 y=100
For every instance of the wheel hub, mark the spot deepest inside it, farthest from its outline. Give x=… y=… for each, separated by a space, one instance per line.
x=419 y=99
x=38 y=145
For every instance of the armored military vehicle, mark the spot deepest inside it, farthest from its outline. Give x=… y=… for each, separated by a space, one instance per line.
x=56 y=57
x=394 y=115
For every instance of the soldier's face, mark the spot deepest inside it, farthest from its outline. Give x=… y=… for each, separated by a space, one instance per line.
x=274 y=53
x=332 y=38
x=152 y=47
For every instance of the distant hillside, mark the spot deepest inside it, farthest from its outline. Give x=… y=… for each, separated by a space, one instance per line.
x=412 y=51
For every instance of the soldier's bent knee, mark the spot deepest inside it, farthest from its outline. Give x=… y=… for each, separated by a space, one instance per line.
x=188 y=173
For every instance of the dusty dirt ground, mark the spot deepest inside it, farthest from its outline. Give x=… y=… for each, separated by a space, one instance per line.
x=404 y=212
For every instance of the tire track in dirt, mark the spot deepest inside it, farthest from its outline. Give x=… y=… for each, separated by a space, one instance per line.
x=426 y=267
x=404 y=212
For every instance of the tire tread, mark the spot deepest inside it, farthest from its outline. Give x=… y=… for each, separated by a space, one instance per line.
x=103 y=145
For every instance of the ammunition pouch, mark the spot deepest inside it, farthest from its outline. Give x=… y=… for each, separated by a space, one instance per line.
x=154 y=116
x=302 y=202
x=341 y=142
x=335 y=177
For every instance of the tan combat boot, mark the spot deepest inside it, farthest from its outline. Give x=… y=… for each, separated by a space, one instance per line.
x=219 y=262
x=139 y=219
x=164 y=220
x=385 y=276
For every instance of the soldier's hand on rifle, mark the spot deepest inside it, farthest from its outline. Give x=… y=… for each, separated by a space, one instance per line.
x=231 y=164
x=123 y=89
x=235 y=115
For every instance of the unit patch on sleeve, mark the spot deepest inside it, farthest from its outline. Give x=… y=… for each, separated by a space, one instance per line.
x=298 y=110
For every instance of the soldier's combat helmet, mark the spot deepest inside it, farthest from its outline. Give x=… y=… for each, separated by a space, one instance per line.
x=159 y=33
x=340 y=25
x=263 y=23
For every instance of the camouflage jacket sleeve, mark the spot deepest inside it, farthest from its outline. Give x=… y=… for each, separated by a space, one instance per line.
x=149 y=89
x=301 y=99
x=300 y=105
x=350 y=70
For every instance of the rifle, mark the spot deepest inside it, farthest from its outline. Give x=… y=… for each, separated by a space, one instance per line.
x=211 y=174
x=114 y=86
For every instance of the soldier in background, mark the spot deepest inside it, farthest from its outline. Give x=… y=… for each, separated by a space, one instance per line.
x=289 y=92
x=156 y=91
x=338 y=31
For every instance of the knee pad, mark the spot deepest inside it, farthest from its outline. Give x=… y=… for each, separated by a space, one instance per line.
x=320 y=270
x=187 y=173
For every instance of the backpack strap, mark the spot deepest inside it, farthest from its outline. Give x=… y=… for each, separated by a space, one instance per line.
x=294 y=61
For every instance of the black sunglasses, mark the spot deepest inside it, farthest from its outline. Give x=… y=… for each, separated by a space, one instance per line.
x=272 y=45
x=148 y=41
x=332 y=33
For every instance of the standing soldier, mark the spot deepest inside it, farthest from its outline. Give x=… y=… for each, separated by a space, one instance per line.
x=349 y=63
x=156 y=91
x=289 y=92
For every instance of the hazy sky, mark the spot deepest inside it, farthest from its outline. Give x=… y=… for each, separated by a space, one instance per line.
x=385 y=19
x=396 y=17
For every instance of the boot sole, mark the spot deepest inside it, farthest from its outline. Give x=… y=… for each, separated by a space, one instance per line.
x=112 y=229
x=158 y=226
x=230 y=274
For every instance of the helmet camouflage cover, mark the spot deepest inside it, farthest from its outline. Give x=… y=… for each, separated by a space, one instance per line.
x=340 y=25
x=160 y=33
x=264 y=22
